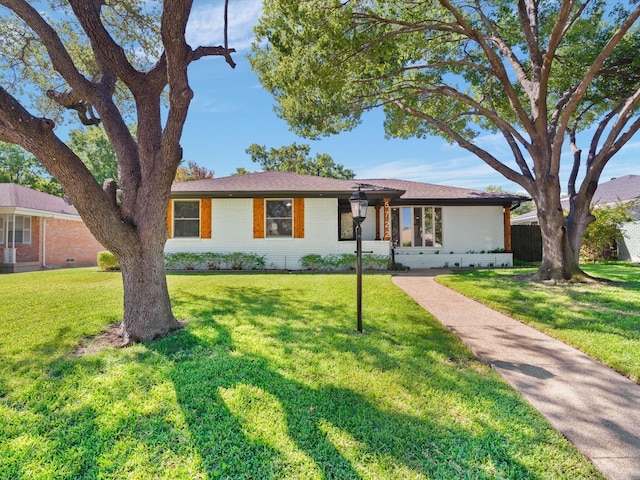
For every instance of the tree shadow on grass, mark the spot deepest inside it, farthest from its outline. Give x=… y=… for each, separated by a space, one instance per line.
x=262 y=390
x=243 y=405
x=611 y=308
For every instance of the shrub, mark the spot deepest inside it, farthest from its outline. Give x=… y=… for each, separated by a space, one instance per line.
x=344 y=262
x=183 y=260
x=313 y=261
x=244 y=261
x=108 y=262
x=214 y=261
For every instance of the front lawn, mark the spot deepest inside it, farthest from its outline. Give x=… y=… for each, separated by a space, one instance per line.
x=602 y=320
x=268 y=380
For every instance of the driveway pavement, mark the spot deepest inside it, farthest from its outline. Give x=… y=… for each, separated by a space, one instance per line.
x=594 y=407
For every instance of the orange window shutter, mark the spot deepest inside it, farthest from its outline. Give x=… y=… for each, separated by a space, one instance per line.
x=205 y=218
x=170 y=220
x=298 y=218
x=258 y=218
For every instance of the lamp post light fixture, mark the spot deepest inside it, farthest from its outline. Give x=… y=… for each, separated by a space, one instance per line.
x=359 y=204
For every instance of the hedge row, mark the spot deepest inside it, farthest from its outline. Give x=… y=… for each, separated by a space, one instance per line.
x=250 y=261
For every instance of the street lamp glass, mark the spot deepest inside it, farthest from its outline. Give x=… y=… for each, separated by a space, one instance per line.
x=359 y=204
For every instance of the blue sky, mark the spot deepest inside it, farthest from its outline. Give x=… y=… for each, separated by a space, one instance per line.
x=231 y=111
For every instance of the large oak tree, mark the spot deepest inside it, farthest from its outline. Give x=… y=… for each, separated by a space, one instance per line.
x=107 y=60
x=540 y=75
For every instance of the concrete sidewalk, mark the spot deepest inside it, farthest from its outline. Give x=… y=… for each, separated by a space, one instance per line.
x=595 y=408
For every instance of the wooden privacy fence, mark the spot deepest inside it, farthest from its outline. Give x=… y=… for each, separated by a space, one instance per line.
x=526 y=243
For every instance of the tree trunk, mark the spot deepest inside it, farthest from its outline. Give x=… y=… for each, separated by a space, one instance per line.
x=147 y=307
x=559 y=260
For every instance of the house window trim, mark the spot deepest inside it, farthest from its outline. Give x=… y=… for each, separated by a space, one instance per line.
x=436 y=230
x=8 y=227
x=345 y=209
x=175 y=219
x=1 y=230
x=266 y=223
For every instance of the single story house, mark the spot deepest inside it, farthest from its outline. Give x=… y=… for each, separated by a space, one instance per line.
x=285 y=216
x=617 y=190
x=38 y=230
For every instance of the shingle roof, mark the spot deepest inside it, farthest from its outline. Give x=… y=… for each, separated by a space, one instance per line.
x=285 y=183
x=277 y=183
x=433 y=193
x=621 y=189
x=17 y=196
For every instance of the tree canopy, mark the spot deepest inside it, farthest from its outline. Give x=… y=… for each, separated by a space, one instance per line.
x=296 y=158
x=17 y=166
x=533 y=74
x=95 y=150
x=192 y=171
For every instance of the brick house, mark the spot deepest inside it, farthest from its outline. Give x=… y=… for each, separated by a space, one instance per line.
x=38 y=230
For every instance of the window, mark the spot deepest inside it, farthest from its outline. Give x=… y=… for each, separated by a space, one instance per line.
x=1 y=231
x=416 y=226
x=279 y=217
x=186 y=215
x=346 y=230
x=22 y=230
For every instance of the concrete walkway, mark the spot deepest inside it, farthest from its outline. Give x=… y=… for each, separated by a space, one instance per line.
x=595 y=408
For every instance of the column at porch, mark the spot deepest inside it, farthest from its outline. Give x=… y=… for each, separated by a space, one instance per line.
x=507 y=228
x=387 y=220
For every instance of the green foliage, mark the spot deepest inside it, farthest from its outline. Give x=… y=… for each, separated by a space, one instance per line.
x=95 y=150
x=27 y=71
x=602 y=234
x=107 y=262
x=214 y=261
x=268 y=380
x=295 y=158
x=19 y=167
x=344 y=262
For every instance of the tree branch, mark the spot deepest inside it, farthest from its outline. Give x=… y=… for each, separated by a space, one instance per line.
x=489 y=159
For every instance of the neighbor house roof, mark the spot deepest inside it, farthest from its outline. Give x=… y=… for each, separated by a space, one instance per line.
x=272 y=184
x=24 y=200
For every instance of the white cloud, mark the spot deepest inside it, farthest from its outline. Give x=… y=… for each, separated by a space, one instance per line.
x=457 y=172
x=206 y=25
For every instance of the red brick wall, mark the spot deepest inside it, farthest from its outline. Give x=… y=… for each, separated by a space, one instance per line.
x=69 y=243
x=31 y=253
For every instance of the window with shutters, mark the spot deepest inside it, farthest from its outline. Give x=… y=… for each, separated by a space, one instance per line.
x=279 y=217
x=186 y=218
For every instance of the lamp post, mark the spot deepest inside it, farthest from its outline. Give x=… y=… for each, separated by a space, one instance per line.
x=359 y=204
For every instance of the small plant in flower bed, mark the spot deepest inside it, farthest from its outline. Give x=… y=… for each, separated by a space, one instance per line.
x=343 y=262
x=214 y=261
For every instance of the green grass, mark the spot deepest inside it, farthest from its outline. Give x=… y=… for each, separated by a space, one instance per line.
x=602 y=320
x=268 y=380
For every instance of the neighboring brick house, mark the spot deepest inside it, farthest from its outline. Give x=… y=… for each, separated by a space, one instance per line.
x=38 y=230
